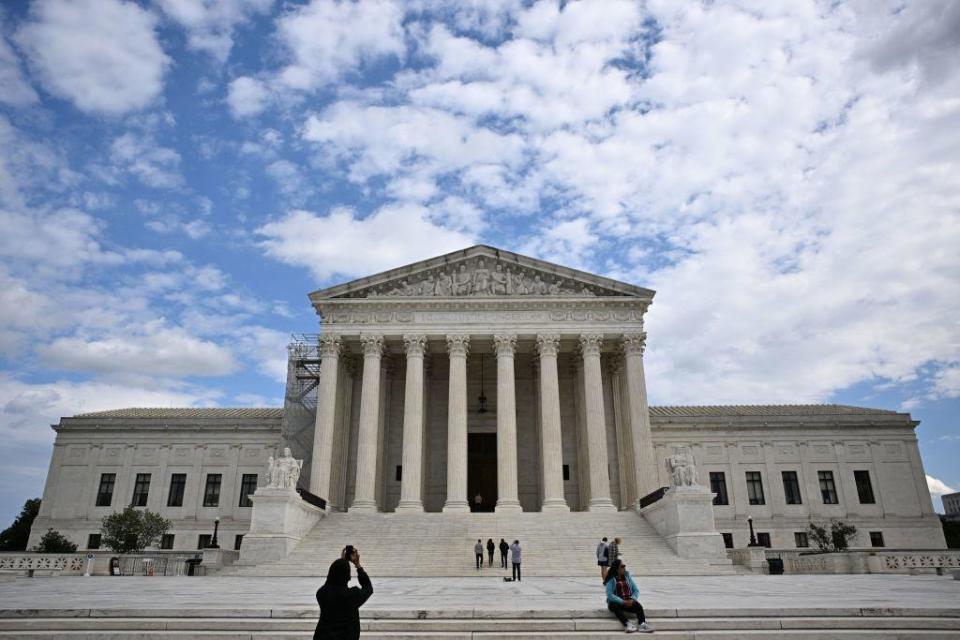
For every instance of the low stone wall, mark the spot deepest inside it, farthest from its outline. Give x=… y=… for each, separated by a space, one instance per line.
x=156 y=563
x=902 y=561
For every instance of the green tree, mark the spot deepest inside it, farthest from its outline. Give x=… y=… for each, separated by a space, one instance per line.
x=14 y=537
x=131 y=530
x=55 y=542
x=836 y=538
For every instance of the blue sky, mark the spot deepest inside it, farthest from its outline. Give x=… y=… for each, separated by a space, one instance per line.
x=176 y=175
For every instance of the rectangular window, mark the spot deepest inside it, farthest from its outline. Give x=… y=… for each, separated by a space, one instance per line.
x=718 y=485
x=566 y=472
x=141 y=489
x=755 y=487
x=166 y=541
x=203 y=541
x=727 y=540
x=237 y=541
x=763 y=539
x=105 y=492
x=178 y=483
x=93 y=541
x=876 y=539
x=211 y=492
x=864 y=488
x=248 y=484
x=791 y=487
x=398 y=476
x=827 y=488
x=801 y=539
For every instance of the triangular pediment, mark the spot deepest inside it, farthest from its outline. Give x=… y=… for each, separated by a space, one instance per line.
x=481 y=271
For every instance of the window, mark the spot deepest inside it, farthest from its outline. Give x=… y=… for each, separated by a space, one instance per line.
x=211 y=493
x=763 y=539
x=566 y=472
x=801 y=539
x=727 y=540
x=398 y=476
x=864 y=488
x=178 y=482
x=248 y=484
x=166 y=541
x=718 y=485
x=105 y=492
x=237 y=541
x=755 y=487
x=203 y=541
x=93 y=541
x=827 y=488
x=791 y=487
x=140 y=490
x=876 y=539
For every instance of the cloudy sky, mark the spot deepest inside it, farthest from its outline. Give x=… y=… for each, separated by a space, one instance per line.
x=176 y=175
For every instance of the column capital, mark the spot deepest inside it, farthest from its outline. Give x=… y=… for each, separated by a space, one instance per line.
x=506 y=344
x=458 y=344
x=330 y=345
x=372 y=345
x=548 y=344
x=415 y=345
x=634 y=343
x=590 y=344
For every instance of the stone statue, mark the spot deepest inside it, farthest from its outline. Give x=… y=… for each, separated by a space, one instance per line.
x=500 y=281
x=427 y=286
x=461 y=282
x=520 y=284
x=539 y=287
x=481 y=278
x=444 y=286
x=683 y=472
x=555 y=287
x=284 y=472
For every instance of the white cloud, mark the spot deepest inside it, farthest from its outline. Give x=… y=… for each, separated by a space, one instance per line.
x=247 y=97
x=15 y=90
x=342 y=244
x=103 y=55
x=210 y=23
x=63 y=239
x=937 y=487
x=152 y=164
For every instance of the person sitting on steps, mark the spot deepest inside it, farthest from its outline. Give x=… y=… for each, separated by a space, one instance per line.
x=622 y=597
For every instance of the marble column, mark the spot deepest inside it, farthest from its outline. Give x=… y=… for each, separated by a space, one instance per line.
x=325 y=425
x=645 y=470
x=411 y=482
x=365 y=495
x=590 y=344
x=458 y=346
x=507 y=495
x=551 y=442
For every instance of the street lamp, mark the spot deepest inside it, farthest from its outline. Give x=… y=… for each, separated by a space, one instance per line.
x=216 y=527
x=753 y=538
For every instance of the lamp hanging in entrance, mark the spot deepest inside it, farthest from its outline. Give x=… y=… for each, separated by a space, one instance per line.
x=482 y=400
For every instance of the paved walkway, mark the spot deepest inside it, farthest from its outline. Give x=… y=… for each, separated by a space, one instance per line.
x=708 y=592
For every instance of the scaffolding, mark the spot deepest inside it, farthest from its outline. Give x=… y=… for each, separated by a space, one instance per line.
x=300 y=401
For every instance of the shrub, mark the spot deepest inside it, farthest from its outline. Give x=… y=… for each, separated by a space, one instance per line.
x=55 y=542
x=836 y=538
x=130 y=530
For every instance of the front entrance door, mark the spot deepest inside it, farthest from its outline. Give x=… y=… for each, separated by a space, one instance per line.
x=482 y=470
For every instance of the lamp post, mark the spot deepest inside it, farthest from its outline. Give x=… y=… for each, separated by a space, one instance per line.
x=216 y=528
x=753 y=538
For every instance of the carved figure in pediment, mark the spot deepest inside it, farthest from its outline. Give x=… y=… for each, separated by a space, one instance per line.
x=499 y=281
x=481 y=279
x=444 y=285
x=520 y=284
x=510 y=281
x=555 y=287
x=461 y=282
x=427 y=286
x=539 y=287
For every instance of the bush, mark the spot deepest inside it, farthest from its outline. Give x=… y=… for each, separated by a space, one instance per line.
x=55 y=542
x=131 y=531
x=836 y=538
x=14 y=537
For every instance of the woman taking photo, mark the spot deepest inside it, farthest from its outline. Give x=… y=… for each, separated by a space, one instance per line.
x=340 y=604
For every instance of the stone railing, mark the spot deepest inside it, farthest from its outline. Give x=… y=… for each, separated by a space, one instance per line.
x=864 y=561
x=754 y=558
x=26 y=562
x=148 y=563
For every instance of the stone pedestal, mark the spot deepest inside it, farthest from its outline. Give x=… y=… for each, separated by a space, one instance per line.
x=279 y=521
x=216 y=559
x=684 y=517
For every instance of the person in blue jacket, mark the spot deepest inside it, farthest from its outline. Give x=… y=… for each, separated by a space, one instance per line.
x=623 y=597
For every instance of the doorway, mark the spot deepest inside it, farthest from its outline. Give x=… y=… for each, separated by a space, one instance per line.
x=482 y=470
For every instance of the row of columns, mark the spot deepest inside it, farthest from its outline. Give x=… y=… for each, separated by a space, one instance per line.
x=458 y=347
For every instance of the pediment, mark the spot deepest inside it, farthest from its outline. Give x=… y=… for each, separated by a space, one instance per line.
x=481 y=272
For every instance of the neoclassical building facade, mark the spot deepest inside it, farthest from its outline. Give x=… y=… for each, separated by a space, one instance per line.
x=487 y=380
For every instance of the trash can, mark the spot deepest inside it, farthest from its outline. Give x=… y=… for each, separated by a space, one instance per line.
x=192 y=565
x=775 y=565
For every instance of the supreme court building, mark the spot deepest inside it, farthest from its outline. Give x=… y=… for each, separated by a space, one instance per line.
x=487 y=373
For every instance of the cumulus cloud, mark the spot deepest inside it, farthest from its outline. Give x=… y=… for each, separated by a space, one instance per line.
x=937 y=487
x=102 y=55
x=343 y=244
x=154 y=165
x=210 y=24
x=247 y=97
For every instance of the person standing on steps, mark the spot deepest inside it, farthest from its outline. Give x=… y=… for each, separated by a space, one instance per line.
x=602 y=559
x=478 y=552
x=623 y=597
x=613 y=551
x=504 y=547
x=477 y=502
x=490 y=549
x=339 y=604
x=515 y=559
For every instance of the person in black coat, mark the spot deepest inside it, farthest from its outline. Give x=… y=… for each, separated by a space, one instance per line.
x=490 y=549
x=340 y=604
x=504 y=547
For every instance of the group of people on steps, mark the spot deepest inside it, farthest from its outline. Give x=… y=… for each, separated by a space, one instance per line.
x=514 y=550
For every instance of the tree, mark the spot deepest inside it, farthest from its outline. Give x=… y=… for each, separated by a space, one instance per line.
x=55 y=542
x=836 y=538
x=131 y=530
x=14 y=537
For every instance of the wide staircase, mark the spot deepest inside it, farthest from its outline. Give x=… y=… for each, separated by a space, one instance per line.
x=441 y=544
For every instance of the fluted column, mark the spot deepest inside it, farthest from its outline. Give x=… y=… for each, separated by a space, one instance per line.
x=552 y=444
x=645 y=469
x=596 y=424
x=458 y=346
x=412 y=460
x=507 y=496
x=365 y=495
x=323 y=429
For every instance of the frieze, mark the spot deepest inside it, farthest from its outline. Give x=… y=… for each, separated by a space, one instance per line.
x=370 y=317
